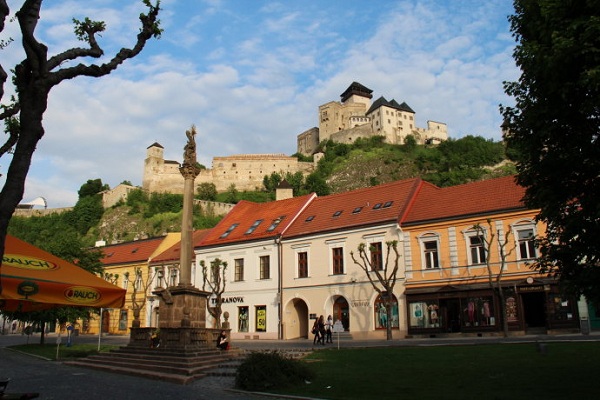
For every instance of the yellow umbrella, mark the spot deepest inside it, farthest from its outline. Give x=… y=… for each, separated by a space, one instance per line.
x=33 y=279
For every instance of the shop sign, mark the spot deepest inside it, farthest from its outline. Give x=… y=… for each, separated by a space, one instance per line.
x=360 y=303
x=537 y=288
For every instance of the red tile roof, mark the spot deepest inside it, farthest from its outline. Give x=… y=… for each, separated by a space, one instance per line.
x=173 y=253
x=475 y=198
x=276 y=216
x=130 y=252
x=368 y=206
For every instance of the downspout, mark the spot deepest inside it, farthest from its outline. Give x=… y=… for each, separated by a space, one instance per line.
x=280 y=287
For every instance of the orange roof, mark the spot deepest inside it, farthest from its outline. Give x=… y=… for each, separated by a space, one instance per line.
x=249 y=221
x=362 y=207
x=173 y=253
x=130 y=252
x=475 y=198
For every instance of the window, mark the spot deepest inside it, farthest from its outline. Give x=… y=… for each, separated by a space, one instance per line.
x=430 y=254
x=265 y=267
x=123 y=320
x=377 y=206
x=477 y=249
x=337 y=213
x=338 y=260
x=275 y=222
x=376 y=256
x=126 y=280
x=309 y=218
x=228 y=231
x=357 y=210
x=387 y=204
x=238 y=269
x=243 y=319
x=526 y=244
x=303 y=264
x=254 y=226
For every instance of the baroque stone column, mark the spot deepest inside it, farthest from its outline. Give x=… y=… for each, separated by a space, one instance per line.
x=190 y=170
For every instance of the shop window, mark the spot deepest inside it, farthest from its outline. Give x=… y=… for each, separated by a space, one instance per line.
x=261 y=318
x=243 y=319
x=238 y=269
x=338 y=260
x=123 y=320
x=511 y=309
x=265 y=267
x=560 y=308
x=479 y=311
x=424 y=314
x=381 y=318
x=302 y=264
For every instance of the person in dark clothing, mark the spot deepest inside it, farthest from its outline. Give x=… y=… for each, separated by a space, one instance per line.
x=222 y=342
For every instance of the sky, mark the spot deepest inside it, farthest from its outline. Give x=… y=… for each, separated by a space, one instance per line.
x=251 y=74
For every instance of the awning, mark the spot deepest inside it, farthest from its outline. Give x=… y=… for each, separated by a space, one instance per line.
x=33 y=279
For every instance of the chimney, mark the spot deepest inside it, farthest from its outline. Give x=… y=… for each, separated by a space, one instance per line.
x=284 y=191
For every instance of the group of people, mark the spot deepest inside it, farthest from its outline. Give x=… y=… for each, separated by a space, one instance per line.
x=322 y=330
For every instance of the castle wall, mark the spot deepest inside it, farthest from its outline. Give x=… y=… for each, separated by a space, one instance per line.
x=245 y=171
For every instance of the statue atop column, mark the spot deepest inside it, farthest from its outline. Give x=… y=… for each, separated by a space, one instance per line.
x=189 y=168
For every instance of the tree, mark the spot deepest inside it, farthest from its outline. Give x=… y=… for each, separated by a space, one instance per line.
x=553 y=133
x=496 y=271
x=215 y=280
x=386 y=275
x=140 y=288
x=231 y=196
x=207 y=191
x=34 y=78
x=91 y=188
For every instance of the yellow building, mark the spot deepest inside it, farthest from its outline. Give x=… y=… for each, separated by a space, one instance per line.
x=128 y=265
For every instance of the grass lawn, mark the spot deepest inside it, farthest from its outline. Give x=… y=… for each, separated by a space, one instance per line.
x=500 y=371
x=49 y=351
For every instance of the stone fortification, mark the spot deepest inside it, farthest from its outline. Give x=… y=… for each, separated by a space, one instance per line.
x=245 y=171
x=356 y=117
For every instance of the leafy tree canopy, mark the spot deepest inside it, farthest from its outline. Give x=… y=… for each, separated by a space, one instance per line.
x=553 y=132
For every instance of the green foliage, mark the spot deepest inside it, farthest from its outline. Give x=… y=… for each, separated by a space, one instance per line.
x=86 y=213
x=270 y=182
x=91 y=188
x=231 y=196
x=269 y=371
x=552 y=133
x=207 y=191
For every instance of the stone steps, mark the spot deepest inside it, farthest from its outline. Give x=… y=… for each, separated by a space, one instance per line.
x=181 y=367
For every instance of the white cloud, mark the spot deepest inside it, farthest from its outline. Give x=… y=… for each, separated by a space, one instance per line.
x=252 y=76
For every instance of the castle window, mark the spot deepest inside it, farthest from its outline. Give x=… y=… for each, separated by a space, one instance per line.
x=233 y=165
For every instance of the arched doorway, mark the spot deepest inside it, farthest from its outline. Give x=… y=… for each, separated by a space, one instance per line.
x=296 y=320
x=341 y=312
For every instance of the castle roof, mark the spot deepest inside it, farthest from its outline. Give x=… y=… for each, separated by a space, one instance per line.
x=374 y=205
x=356 y=88
x=380 y=102
x=485 y=197
x=155 y=144
x=249 y=221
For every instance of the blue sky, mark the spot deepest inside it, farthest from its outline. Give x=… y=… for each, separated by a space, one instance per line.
x=251 y=74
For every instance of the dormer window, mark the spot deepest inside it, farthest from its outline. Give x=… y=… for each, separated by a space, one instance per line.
x=377 y=206
x=387 y=204
x=357 y=210
x=337 y=213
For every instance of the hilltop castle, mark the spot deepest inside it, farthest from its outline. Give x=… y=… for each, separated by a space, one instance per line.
x=355 y=117
x=342 y=122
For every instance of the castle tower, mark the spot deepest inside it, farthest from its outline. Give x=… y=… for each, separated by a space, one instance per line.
x=338 y=116
x=153 y=165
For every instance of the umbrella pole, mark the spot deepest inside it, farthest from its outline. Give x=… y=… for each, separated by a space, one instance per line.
x=100 y=329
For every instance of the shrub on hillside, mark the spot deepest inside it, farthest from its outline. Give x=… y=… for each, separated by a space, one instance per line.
x=271 y=370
